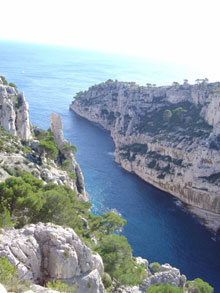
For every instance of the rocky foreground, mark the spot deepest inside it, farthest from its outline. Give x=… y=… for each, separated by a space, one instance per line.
x=168 y=136
x=46 y=252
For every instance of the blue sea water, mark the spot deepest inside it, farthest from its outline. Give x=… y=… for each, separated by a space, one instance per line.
x=158 y=227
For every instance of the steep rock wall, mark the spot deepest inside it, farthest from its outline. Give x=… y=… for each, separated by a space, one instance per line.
x=14 y=112
x=169 y=136
x=57 y=129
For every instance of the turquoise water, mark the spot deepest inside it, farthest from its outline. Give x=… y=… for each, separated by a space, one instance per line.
x=158 y=228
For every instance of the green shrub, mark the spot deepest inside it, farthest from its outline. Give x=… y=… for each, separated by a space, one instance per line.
x=26 y=197
x=89 y=285
x=199 y=286
x=7 y=271
x=163 y=289
x=14 y=86
x=66 y=253
x=69 y=148
x=113 y=221
x=49 y=148
x=66 y=165
x=8 y=170
x=60 y=287
x=2 y=144
x=72 y=175
x=5 y=218
x=118 y=262
x=47 y=144
x=106 y=280
x=155 y=267
x=3 y=80
x=8 y=277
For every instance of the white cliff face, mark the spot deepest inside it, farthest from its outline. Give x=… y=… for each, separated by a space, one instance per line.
x=22 y=118
x=57 y=130
x=46 y=252
x=168 y=136
x=14 y=112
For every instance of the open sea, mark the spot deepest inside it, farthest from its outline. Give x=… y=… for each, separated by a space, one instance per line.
x=158 y=227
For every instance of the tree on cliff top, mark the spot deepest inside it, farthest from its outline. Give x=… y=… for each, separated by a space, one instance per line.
x=48 y=147
x=118 y=262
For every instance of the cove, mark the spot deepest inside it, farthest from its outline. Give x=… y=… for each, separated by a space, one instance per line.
x=158 y=228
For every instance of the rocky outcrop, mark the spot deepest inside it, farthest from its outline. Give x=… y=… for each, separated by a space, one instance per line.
x=57 y=130
x=169 y=136
x=14 y=112
x=13 y=159
x=46 y=252
x=166 y=275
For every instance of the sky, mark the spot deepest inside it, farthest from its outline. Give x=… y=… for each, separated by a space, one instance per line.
x=179 y=31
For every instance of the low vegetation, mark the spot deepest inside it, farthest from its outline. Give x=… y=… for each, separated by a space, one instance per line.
x=118 y=262
x=9 y=278
x=182 y=118
x=60 y=287
x=164 y=289
x=4 y=80
x=199 y=286
x=155 y=267
x=47 y=144
x=25 y=199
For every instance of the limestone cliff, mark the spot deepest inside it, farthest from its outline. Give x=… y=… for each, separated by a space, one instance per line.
x=169 y=136
x=44 y=252
x=19 y=147
x=57 y=129
x=14 y=111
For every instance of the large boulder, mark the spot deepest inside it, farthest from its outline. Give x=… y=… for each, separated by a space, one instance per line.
x=45 y=252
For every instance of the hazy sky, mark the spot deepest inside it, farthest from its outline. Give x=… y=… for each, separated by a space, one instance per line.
x=173 y=30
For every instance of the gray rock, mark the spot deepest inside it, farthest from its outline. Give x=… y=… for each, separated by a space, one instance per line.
x=14 y=112
x=184 y=159
x=166 y=275
x=2 y=289
x=44 y=252
x=57 y=129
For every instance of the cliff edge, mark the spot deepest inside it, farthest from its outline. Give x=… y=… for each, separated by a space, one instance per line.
x=39 y=152
x=169 y=136
x=14 y=111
